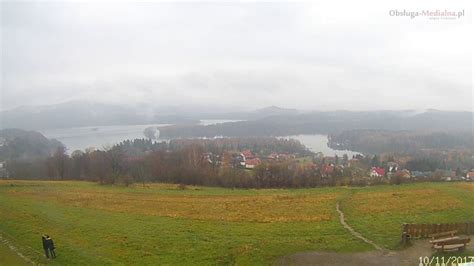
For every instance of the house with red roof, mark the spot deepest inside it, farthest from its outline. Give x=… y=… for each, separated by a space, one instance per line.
x=377 y=172
x=470 y=176
x=247 y=154
x=327 y=170
x=252 y=163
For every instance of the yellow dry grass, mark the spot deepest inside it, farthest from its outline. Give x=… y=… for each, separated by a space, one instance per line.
x=405 y=201
x=248 y=208
x=466 y=186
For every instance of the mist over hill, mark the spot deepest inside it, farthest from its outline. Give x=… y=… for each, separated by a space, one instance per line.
x=17 y=144
x=349 y=129
x=85 y=113
x=403 y=142
x=329 y=122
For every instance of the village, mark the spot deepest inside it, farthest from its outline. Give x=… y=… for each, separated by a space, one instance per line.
x=240 y=162
x=357 y=167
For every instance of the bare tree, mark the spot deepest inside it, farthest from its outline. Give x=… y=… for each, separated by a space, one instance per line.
x=60 y=159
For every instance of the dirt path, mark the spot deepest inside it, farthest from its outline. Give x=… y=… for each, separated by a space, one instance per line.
x=409 y=256
x=9 y=254
x=354 y=232
x=378 y=257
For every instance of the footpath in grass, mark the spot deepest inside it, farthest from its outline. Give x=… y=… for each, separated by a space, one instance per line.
x=107 y=225
x=94 y=225
x=379 y=212
x=9 y=257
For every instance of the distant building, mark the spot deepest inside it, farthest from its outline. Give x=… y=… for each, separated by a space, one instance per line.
x=327 y=170
x=238 y=160
x=273 y=156
x=377 y=172
x=252 y=163
x=403 y=173
x=449 y=175
x=470 y=176
x=392 y=167
x=247 y=154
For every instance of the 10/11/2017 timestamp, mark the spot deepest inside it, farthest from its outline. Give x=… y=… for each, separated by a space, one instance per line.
x=446 y=261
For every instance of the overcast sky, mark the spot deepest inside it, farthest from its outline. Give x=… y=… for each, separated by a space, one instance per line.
x=334 y=55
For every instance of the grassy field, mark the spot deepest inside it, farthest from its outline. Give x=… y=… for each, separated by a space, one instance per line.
x=379 y=212
x=8 y=257
x=94 y=224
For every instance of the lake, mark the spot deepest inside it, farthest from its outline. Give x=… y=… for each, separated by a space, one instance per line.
x=80 y=138
x=319 y=143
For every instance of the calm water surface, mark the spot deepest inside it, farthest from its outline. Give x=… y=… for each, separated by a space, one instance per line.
x=319 y=143
x=80 y=138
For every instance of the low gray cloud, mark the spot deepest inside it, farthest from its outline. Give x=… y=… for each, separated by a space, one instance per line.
x=338 y=55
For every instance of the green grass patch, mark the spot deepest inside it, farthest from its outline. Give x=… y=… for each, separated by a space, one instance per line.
x=163 y=224
x=379 y=212
x=92 y=232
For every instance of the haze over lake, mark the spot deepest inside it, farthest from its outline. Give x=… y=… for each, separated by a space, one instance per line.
x=319 y=143
x=81 y=138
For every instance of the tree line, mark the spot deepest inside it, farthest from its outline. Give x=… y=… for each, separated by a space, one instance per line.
x=211 y=162
x=178 y=161
x=183 y=161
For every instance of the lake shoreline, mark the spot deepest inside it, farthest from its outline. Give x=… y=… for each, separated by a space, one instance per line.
x=100 y=137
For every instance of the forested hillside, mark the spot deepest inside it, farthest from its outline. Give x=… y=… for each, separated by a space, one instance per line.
x=17 y=144
x=380 y=141
x=328 y=122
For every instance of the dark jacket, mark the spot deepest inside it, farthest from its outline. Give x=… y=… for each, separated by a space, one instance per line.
x=49 y=243
x=45 y=244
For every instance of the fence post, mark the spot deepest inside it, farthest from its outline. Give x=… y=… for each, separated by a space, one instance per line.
x=432 y=229
x=405 y=235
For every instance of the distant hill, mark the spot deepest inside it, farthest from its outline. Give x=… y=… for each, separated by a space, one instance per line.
x=270 y=111
x=17 y=144
x=268 y=121
x=328 y=123
x=381 y=141
x=83 y=113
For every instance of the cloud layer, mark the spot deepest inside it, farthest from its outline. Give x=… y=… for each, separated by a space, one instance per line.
x=314 y=56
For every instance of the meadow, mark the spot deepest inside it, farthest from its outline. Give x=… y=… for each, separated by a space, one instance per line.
x=169 y=224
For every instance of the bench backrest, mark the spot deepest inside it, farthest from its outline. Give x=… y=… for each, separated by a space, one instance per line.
x=454 y=241
x=443 y=234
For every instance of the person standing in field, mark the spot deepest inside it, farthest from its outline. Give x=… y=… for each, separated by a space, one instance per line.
x=50 y=246
x=45 y=245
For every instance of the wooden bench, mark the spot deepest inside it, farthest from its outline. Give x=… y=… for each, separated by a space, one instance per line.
x=443 y=234
x=451 y=243
x=440 y=240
